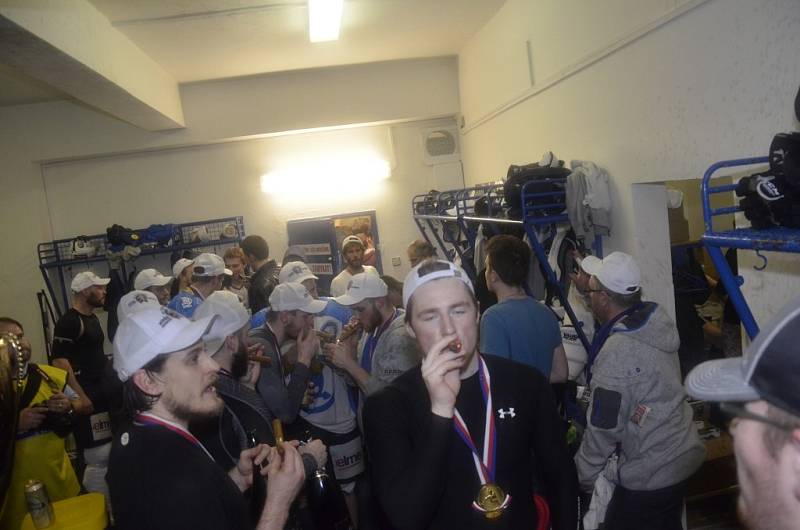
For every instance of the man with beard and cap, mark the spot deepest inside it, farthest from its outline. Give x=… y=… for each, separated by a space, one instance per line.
x=39 y=449
x=291 y=317
x=160 y=475
x=353 y=255
x=459 y=441
x=638 y=419
x=155 y=282
x=207 y=273
x=245 y=414
x=759 y=392
x=78 y=346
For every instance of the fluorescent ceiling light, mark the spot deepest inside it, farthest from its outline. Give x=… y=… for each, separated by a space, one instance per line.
x=347 y=175
x=324 y=19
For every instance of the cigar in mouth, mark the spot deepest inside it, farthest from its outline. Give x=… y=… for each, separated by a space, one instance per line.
x=277 y=430
x=455 y=346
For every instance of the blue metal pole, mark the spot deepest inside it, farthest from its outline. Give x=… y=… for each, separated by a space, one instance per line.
x=731 y=284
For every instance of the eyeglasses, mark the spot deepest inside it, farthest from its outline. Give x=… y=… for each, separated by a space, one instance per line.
x=736 y=410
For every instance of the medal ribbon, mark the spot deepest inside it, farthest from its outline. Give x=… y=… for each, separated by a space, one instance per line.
x=148 y=420
x=484 y=466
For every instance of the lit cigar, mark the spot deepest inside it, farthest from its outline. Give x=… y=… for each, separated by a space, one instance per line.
x=277 y=430
x=346 y=334
x=455 y=346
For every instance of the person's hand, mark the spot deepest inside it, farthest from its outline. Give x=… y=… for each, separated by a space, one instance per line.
x=58 y=403
x=316 y=449
x=310 y=394
x=286 y=475
x=31 y=418
x=341 y=355
x=307 y=345
x=351 y=329
x=441 y=373
x=242 y=473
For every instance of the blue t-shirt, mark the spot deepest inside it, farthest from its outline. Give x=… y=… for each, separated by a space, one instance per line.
x=523 y=330
x=185 y=303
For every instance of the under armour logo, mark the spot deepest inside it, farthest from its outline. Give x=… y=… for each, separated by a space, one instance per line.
x=503 y=413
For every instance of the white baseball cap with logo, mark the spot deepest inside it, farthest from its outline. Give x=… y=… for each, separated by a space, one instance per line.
x=84 y=280
x=231 y=314
x=430 y=270
x=618 y=272
x=150 y=278
x=351 y=240
x=295 y=271
x=135 y=301
x=367 y=284
x=148 y=333
x=179 y=265
x=208 y=264
x=294 y=296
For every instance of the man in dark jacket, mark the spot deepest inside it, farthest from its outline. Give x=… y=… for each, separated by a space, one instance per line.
x=265 y=272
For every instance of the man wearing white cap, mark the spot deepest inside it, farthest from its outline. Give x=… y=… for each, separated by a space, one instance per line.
x=291 y=316
x=155 y=282
x=637 y=409
x=353 y=255
x=759 y=392
x=160 y=475
x=78 y=345
x=207 y=272
x=459 y=441
x=182 y=274
x=385 y=350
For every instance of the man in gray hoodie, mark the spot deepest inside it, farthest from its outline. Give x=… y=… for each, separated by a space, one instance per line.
x=638 y=409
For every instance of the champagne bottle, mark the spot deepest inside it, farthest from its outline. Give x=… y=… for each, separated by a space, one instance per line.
x=326 y=501
x=258 y=491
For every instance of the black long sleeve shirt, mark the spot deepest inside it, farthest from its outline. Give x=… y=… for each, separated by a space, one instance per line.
x=424 y=473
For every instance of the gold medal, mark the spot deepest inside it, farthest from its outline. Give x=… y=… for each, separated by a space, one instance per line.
x=491 y=499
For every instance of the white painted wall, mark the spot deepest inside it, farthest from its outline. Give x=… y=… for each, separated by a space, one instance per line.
x=714 y=83
x=223 y=173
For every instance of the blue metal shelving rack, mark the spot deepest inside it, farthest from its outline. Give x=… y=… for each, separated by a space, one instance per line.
x=775 y=239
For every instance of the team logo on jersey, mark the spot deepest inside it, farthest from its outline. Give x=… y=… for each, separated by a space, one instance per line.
x=503 y=413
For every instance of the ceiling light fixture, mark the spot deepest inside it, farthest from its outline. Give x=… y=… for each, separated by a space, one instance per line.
x=324 y=19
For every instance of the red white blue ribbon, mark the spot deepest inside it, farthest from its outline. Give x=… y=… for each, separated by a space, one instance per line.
x=485 y=463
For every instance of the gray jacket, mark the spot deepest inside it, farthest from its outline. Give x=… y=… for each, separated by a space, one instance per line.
x=638 y=403
x=395 y=353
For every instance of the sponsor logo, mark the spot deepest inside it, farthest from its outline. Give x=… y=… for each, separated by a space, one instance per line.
x=503 y=413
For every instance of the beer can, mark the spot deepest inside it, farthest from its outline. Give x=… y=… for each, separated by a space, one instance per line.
x=39 y=504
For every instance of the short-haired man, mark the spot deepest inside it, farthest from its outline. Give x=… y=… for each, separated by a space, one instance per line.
x=160 y=475
x=78 y=346
x=459 y=441
x=637 y=408
x=353 y=255
x=759 y=390
x=418 y=251
x=385 y=350
x=291 y=317
x=237 y=283
x=208 y=271
x=265 y=271
x=155 y=282
x=49 y=398
x=519 y=327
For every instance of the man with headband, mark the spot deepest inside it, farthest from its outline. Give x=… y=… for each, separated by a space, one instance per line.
x=459 y=441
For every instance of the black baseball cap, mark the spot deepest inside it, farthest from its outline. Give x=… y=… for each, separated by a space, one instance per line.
x=768 y=370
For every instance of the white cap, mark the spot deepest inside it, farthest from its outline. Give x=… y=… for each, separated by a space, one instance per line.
x=350 y=240
x=179 y=265
x=84 y=280
x=618 y=272
x=231 y=317
x=435 y=269
x=294 y=296
x=367 y=284
x=295 y=271
x=150 y=278
x=148 y=333
x=135 y=301
x=207 y=264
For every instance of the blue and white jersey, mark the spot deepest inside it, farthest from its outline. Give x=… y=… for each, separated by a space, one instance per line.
x=185 y=303
x=259 y=318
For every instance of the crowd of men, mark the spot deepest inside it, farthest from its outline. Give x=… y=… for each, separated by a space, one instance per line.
x=427 y=410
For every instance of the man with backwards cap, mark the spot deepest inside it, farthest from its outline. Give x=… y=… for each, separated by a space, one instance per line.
x=385 y=350
x=78 y=346
x=353 y=255
x=638 y=410
x=160 y=475
x=760 y=392
x=207 y=272
x=458 y=441
x=155 y=282
x=291 y=316
x=182 y=274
